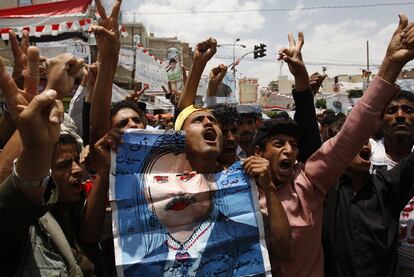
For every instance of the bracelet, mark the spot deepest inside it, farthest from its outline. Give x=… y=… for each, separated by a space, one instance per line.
x=5 y=107
x=28 y=183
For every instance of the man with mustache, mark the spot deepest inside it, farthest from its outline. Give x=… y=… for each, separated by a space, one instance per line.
x=204 y=147
x=248 y=124
x=360 y=233
x=397 y=143
x=302 y=187
x=184 y=231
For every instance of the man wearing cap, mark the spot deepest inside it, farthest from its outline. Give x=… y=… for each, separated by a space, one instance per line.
x=302 y=187
x=249 y=121
x=203 y=147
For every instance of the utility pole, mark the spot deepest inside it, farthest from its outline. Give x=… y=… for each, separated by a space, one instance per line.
x=367 y=61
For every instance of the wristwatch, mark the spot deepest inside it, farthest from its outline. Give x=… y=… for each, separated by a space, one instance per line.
x=28 y=183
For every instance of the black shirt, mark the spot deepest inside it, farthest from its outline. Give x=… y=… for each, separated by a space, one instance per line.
x=360 y=231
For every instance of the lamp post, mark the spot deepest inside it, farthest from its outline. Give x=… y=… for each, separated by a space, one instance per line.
x=234 y=54
x=234 y=57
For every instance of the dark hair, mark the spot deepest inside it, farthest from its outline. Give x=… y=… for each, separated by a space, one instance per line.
x=328 y=117
x=66 y=139
x=404 y=94
x=225 y=114
x=282 y=114
x=275 y=126
x=333 y=128
x=117 y=106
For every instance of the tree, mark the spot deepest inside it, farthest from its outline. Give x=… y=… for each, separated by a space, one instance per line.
x=320 y=103
x=355 y=93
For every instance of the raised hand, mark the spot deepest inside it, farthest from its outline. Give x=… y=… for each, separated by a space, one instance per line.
x=62 y=71
x=202 y=54
x=316 y=81
x=17 y=98
x=400 y=50
x=101 y=149
x=35 y=127
x=107 y=32
x=184 y=69
x=216 y=76
x=293 y=55
x=19 y=55
x=205 y=50
x=136 y=94
x=259 y=168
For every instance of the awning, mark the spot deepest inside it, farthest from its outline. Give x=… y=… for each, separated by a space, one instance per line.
x=48 y=19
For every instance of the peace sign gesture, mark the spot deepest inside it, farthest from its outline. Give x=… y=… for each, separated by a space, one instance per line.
x=293 y=55
x=107 y=32
x=19 y=55
x=37 y=122
x=16 y=97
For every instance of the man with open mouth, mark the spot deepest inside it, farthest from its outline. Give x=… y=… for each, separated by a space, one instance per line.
x=397 y=143
x=360 y=233
x=302 y=187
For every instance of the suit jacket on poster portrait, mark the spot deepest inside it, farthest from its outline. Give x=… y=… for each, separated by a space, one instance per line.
x=233 y=249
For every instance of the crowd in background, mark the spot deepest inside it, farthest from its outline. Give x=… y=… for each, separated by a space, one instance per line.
x=335 y=191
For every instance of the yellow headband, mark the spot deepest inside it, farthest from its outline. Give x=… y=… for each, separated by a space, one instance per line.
x=183 y=116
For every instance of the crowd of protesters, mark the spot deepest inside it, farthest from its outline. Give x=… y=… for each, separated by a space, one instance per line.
x=336 y=194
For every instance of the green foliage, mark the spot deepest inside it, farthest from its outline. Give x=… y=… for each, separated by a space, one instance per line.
x=355 y=93
x=320 y=103
x=271 y=114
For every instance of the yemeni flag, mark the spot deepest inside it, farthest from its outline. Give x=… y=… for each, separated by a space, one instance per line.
x=47 y=22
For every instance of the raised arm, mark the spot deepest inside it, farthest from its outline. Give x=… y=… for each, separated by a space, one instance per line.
x=62 y=70
x=19 y=51
x=216 y=77
x=94 y=212
x=305 y=114
x=107 y=40
x=136 y=94
x=203 y=53
x=23 y=196
x=280 y=237
x=330 y=161
x=19 y=56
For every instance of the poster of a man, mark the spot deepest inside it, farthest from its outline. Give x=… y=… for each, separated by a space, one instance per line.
x=188 y=224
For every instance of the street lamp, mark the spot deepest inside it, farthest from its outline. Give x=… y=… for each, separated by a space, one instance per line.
x=234 y=57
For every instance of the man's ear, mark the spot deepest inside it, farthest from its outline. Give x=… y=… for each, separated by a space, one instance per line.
x=258 y=123
x=258 y=151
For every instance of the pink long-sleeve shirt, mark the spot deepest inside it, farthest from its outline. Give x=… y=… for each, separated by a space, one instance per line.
x=303 y=199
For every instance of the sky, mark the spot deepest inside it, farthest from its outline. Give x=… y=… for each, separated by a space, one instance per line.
x=334 y=38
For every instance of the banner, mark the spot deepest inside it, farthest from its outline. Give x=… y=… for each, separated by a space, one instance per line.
x=77 y=47
x=170 y=221
x=173 y=69
x=227 y=89
x=119 y=94
x=150 y=70
x=126 y=58
x=248 y=91
x=52 y=18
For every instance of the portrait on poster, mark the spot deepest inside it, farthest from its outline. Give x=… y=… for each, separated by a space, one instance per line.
x=172 y=221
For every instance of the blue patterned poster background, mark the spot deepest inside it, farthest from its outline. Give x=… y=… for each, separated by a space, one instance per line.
x=171 y=221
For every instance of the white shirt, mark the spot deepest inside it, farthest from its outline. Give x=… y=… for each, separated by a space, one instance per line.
x=381 y=161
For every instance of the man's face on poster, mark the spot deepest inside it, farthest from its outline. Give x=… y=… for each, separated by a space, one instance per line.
x=177 y=199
